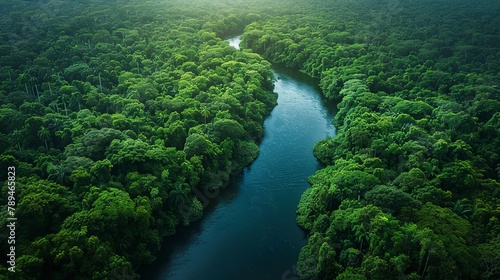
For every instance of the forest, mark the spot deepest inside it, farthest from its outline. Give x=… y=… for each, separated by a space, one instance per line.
x=411 y=188
x=111 y=115
x=116 y=114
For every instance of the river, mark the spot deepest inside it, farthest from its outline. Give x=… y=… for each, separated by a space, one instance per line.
x=249 y=232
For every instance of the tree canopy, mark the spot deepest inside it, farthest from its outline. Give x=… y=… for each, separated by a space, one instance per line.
x=412 y=170
x=113 y=112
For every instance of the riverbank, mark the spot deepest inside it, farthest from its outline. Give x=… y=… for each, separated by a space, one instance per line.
x=250 y=230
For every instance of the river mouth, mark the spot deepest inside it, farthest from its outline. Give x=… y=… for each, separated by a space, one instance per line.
x=249 y=230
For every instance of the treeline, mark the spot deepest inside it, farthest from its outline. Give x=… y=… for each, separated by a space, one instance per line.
x=411 y=190
x=112 y=114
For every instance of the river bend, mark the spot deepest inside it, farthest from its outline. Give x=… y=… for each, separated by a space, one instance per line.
x=249 y=232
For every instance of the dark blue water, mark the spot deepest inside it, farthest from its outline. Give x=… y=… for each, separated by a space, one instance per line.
x=249 y=231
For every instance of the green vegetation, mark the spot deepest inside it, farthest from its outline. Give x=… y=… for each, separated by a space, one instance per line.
x=111 y=115
x=411 y=190
x=113 y=112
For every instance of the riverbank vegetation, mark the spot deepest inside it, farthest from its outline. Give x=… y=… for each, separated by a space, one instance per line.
x=113 y=112
x=411 y=190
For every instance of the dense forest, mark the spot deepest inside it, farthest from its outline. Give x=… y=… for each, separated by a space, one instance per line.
x=411 y=190
x=113 y=114
x=121 y=117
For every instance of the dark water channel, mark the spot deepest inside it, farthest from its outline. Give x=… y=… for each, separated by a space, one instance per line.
x=249 y=231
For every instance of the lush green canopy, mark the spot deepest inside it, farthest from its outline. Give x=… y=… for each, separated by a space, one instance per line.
x=113 y=112
x=411 y=190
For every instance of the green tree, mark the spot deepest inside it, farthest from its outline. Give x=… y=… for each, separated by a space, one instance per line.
x=449 y=238
x=44 y=135
x=46 y=204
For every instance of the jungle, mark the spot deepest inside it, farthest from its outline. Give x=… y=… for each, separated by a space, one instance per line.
x=113 y=112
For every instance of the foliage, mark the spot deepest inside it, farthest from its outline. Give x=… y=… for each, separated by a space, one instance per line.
x=114 y=112
x=112 y=117
x=415 y=163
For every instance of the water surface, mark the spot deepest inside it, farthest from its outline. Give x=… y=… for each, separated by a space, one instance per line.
x=249 y=231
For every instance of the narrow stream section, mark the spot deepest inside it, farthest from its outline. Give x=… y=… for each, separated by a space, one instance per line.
x=249 y=232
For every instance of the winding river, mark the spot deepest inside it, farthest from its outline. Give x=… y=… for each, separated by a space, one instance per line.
x=249 y=232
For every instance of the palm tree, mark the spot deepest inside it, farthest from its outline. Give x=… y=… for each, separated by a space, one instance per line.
x=178 y=196
x=57 y=173
x=162 y=117
x=54 y=105
x=37 y=93
x=100 y=82
x=64 y=98
x=462 y=208
x=44 y=135
x=361 y=234
x=205 y=112
x=17 y=137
